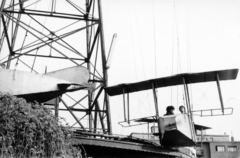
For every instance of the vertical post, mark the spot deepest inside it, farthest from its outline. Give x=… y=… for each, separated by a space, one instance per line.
x=220 y=93
x=189 y=109
x=186 y=95
x=124 y=106
x=104 y=62
x=90 y=94
x=56 y=107
x=94 y=104
x=128 y=108
x=100 y=117
x=201 y=137
x=148 y=131
x=189 y=102
x=95 y=118
x=157 y=113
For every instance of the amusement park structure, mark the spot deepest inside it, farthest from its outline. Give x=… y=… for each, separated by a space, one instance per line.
x=53 y=52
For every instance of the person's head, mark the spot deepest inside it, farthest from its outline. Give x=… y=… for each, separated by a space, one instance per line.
x=170 y=110
x=182 y=109
x=2 y=66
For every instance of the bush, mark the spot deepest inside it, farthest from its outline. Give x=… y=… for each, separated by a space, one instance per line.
x=31 y=130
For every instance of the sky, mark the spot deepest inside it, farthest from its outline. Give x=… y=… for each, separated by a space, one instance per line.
x=159 y=38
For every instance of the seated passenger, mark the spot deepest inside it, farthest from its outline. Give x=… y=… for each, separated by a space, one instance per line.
x=170 y=110
x=182 y=109
x=2 y=66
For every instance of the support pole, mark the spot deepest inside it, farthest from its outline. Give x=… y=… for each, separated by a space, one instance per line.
x=220 y=94
x=128 y=108
x=148 y=131
x=95 y=118
x=189 y=101
x=105 y=73
x=186 y=95
x=96 y=108
x=100 y=117
x=201 y=137
x=124 y=106
x=90 y=94
x=56 y=107
x=157 y=113
x=189 y=109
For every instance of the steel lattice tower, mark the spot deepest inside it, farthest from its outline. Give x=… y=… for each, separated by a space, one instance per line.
x=42 y=35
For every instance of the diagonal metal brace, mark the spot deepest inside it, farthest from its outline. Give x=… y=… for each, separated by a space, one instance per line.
x=219 y=92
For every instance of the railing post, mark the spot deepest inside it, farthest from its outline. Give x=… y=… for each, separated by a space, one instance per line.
x=124 y=106
x=128 y=108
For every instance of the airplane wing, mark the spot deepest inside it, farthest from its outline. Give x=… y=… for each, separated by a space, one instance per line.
x=190 y=78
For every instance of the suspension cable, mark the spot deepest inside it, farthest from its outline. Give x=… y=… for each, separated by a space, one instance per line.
x=188 y=47
x=173 y=41
x=154 y=40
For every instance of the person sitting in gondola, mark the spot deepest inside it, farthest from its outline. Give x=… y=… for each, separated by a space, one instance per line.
x=2 y=66
x=182 y=109
x=170 y=110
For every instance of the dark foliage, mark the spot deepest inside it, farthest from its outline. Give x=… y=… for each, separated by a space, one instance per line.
x=31 y=130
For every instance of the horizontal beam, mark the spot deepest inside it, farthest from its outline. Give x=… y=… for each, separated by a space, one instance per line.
x=50 y=14
x=80 y=110
x=46 y=56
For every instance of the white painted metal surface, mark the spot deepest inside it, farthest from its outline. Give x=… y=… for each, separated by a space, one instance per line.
x=38 y=87
x=78 y=75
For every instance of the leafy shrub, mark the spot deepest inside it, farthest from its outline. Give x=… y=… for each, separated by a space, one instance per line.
x=31 y=130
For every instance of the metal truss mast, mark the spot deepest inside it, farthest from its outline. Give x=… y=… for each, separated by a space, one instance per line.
x=41 y=36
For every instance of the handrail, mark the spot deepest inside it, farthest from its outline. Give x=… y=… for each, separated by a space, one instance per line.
x=210 y=112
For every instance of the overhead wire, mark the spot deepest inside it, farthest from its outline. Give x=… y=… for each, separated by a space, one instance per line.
x=154 y=39
x=177 y=42
x=145 y=94
x=173 y=42
x=176 y=18
x=179 y=64
x=188 y=48
x=134 y=61
x=140 y=47
x=155 y=46
x=135 y=67
x=204 y=95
